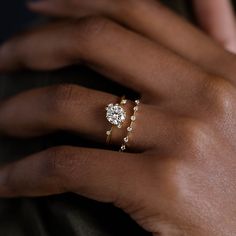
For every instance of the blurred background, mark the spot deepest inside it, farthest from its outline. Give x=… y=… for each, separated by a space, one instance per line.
x=13 y=17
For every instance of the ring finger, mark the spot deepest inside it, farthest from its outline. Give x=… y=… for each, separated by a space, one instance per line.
x=75 y=109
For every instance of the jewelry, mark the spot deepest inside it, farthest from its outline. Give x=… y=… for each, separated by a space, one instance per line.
x=130 y=128
x=116 y=116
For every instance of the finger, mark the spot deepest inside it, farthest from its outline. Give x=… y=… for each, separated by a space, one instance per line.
x=97 y=174
x=61 y=8
x=217 y=18
x=79 y=110
x=152 y=19
x=61 y=107
x=116 y=52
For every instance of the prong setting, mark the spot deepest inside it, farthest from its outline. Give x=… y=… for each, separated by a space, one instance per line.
x=115 y=115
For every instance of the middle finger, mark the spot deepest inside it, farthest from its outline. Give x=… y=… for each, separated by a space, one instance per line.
x=109 y=48
x=152 y=19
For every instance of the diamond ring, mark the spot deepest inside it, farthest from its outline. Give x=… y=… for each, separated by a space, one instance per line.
x=116 y=116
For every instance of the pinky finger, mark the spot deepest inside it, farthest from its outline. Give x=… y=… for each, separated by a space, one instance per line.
x=97 y=174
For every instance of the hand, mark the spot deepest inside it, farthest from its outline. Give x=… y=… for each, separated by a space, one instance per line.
x=216 y=17
x=178 y=177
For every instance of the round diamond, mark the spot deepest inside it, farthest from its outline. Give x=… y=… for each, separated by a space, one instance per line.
x=115 y=114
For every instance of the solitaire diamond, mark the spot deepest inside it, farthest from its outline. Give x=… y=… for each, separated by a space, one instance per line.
x=115 y=114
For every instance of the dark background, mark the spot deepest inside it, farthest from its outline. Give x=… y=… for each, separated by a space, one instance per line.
x=13 y=17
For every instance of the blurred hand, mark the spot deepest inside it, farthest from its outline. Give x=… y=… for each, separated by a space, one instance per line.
x=178 y=176
x=216 y=17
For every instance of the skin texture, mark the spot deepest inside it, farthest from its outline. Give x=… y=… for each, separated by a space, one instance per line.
x=178 y=177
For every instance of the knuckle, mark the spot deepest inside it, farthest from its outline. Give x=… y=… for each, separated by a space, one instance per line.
x=195 y=135
x=92 y=26
x=60 y=161
x=67 y=168
x=171 y=173
x=89 y=32
x=62 y=98
x=64 y=164
x=177 y=179
x=220 y=96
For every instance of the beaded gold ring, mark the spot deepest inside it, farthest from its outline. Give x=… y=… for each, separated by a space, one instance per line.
x=130 y=128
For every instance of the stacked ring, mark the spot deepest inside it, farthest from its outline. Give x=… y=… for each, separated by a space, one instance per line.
x=116 y=115
x=130 y=128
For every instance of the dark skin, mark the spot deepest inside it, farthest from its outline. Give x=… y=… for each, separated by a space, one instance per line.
x=178 y=177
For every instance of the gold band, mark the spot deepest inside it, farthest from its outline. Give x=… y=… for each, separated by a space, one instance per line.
x=109 y=135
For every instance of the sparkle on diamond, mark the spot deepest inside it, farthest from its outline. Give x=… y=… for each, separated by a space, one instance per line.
x=115 y=114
